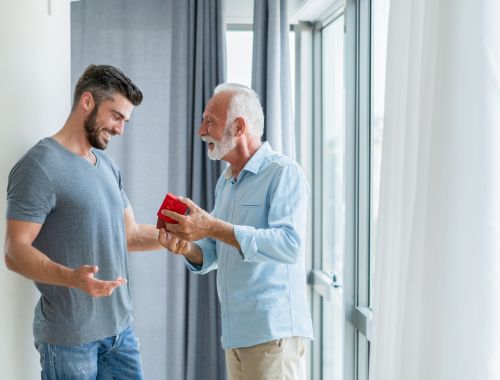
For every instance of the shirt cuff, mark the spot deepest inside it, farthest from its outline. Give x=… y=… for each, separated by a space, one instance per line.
x=196 y=268
x=193 y=267
x=245 y=235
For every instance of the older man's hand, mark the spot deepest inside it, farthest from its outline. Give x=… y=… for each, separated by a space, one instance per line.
x=197 y=224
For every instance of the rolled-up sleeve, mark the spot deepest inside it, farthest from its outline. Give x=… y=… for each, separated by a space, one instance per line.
x=208 y=249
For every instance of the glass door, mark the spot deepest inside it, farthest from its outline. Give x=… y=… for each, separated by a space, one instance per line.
x=330 y=199
x=333 y=194
x=348 y=119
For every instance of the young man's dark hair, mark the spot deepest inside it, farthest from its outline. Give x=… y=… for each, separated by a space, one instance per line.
x=103 y=81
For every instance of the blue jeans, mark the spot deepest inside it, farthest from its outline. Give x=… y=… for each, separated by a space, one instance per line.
x=116 y=357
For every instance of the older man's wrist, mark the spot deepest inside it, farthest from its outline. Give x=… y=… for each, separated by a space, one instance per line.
x=194 y=255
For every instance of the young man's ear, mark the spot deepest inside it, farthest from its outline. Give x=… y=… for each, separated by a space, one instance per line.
x=87 y=101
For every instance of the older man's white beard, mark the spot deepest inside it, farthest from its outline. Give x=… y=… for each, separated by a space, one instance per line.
x=222 y=147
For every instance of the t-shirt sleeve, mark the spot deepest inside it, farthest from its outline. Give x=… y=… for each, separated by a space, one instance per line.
x=125 y=200
x=30 y=194
x=118 y=175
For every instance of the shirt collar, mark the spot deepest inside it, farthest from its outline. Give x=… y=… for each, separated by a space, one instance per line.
x=254 y=163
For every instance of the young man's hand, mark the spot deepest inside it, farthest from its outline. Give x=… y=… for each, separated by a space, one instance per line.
x=83 y=279
x=173 y=243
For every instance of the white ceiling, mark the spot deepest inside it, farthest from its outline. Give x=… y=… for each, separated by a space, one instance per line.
x=238 y=11
x=241 y=11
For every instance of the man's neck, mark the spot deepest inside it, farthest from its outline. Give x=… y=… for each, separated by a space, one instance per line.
x=243 y=154
x=72 y=136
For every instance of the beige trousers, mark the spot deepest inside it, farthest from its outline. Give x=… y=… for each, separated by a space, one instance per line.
x=279 y=359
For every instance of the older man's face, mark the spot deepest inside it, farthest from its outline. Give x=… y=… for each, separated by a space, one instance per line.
x=214 y=128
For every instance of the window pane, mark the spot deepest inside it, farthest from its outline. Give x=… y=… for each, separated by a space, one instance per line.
x=333 y=338
x=291 y=39
x=380 y=9
x=239 y=48
x=239 y=56
x=333 y=193
x=333 y=176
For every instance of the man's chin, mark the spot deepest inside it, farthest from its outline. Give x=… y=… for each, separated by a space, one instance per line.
x=101 y=145
x=213 y=157
x=212 y=153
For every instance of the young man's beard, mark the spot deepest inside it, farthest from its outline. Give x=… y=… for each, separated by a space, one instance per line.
x=92 y=130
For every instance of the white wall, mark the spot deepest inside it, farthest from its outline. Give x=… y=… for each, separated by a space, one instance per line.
x=34 y=102
x=238 y=12
x=241 y=11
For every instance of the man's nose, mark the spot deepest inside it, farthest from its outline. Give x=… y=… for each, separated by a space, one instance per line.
x=202 y=131
x=118 y=129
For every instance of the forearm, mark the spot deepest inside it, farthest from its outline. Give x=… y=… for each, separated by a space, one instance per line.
x=21 y=257
x=144 y=237
x=224 y=231
x=33 y=264
x=194 y=255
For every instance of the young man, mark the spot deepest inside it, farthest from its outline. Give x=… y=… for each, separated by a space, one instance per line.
x=69 y=227
x=254 y=237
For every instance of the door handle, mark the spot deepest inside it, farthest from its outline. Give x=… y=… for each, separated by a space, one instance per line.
x=335 y=281
x=323 y=283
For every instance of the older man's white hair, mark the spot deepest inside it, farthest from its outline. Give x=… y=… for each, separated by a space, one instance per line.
x=244 y=103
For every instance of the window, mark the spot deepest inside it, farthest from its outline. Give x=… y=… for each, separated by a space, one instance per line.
x=333 y=146
x=330 y=155
x=333 y=207
x=380 y=12
x=348 y=92
x=239 y=43
x=239 y=48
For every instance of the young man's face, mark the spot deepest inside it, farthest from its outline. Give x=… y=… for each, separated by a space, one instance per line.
x=214 y=129
x=107 y=120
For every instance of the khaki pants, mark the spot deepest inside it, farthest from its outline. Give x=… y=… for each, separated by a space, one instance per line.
x=280 y=359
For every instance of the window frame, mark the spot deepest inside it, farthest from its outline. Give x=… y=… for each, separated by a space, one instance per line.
x=356 y=277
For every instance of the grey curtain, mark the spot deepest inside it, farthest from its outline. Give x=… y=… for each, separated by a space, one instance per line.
x=271 y=77
x=174 y=51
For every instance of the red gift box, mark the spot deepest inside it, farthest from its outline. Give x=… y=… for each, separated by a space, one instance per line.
x=171 y=203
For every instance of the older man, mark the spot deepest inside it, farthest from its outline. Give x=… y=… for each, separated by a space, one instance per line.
x=254 y=237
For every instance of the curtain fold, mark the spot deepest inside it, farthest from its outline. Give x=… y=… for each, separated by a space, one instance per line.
x=437 y=280
x=199 y=26
x=174 y=51
x=271 y=77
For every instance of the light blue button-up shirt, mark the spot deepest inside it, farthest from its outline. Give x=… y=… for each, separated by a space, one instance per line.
x=262 y=288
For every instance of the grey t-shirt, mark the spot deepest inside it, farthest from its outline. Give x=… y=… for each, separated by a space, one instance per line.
x=81 y=208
